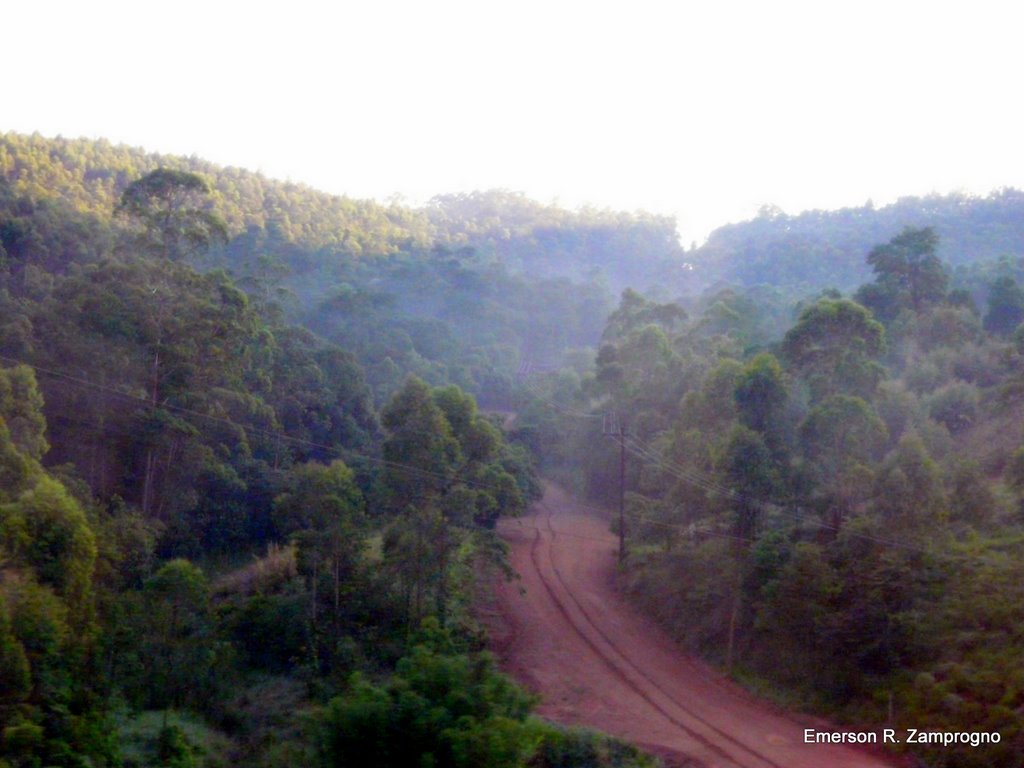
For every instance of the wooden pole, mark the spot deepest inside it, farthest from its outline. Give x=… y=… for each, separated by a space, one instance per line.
x=622 y=494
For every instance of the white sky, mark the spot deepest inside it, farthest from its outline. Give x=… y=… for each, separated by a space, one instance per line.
x=705 y=110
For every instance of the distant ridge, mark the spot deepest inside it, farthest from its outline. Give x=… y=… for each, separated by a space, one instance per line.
x=819 y=249
x=800 y=254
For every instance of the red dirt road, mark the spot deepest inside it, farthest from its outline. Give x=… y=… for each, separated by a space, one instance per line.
x=566 y=633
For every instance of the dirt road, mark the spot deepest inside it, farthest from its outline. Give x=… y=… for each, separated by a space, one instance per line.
x=566 y=633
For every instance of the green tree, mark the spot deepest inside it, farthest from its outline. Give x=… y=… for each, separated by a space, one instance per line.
x=59 y=544
x=834 y=345
x=797 y=610
x=169 y=206
x=908 y=273
x=841 y=438
x=15 y=673
x=175 y=649
x=420 y=448
x=635 y=312
x=955 y=406
x=323 y=511
x=746 y=463
x=909 y=490
x=173 y=748
x=478 y=440
x=21 y=407
x=971 y=498
x=1005 y=307
x=761 y=395
x=441 y=709
x=317 y=498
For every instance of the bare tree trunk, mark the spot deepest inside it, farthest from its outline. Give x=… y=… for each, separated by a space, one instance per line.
x=337 y=590
x=732 y=631
x=419 y=569
x=147 y=484
x=171 y=451
x=316 y=578
x=442 y=582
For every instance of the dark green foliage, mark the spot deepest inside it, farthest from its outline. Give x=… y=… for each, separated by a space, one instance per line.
x=271 y=632
x=971 y=499
x=47 y=619
x=173 y=659
x=908 y=272
x=183 y=416
x=909 y=487
x=833 y=346
x=636 y=312
x=955 y=406
x=419 y=437
x=842 y=429
x=819 y=528
x=15 y=680
x=452 y=710
x=318 y=498
x=440 y=709
x=173 y=749
x=816 y=249
x=447 y=477
x=1005 y=307
x=58 y=542
x=761 y=393
x=839 y=509
x=429 y=291
x=21 y=407
x=168 y=206
x=746 y=465
x=761 y=396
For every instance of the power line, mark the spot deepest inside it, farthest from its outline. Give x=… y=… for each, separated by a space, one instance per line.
x=533 y=389
x=689 y=476
x=709 y=485
x=339 y=451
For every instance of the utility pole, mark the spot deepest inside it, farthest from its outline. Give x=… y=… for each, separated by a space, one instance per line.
x=613 y=428
x=622 y=494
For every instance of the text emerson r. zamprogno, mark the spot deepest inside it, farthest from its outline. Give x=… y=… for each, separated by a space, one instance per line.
x=908 y=736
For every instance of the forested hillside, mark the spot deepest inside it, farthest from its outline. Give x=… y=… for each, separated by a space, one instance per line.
x=499 y=226
x=835 y=517
x=463 y=290
x=248 y=477
x=219 y=545
x=810 y=251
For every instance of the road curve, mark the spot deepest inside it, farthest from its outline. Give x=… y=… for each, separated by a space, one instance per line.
x=566 y=633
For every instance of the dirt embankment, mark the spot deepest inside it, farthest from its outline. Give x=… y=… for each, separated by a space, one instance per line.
x=566 y=633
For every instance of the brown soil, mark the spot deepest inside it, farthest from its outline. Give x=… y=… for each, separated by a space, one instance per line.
x=565 y=632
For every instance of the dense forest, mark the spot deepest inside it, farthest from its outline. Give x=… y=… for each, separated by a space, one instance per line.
x=253 y=449
x=457 y=292
x=825 y=249
x=221 y=541
x=835 y=517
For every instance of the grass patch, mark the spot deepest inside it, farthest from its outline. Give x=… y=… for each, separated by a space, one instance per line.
x=139 y=735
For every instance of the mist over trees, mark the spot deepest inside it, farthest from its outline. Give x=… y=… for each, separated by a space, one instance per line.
x=825 y=512
x=225 y=534
x=818 y=249
x=254 y=441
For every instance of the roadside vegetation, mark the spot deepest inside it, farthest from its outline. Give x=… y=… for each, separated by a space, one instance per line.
x=833 y=512
x=254 y=441
x=220 y=544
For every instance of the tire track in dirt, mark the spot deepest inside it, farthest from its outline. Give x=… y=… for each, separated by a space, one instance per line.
x=751 y=759
x=596 y=662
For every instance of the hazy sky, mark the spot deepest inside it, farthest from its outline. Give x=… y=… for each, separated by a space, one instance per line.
x=705 y=110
